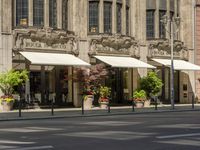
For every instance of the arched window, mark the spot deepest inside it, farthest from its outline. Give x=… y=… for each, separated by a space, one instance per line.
x=107 y=17
x=93 y=16
x=52 y=13
x=21 y=12
x=119 y=16
x=38 y=12
x=65 y=14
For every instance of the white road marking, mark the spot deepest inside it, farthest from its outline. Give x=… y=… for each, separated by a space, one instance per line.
x=34 y=148
x=178 y=135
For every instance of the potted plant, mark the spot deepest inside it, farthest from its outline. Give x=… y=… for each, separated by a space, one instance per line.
x=139 y=97
x=90 y=80
x=7 y=81
x=104 y=92
x=152 y=85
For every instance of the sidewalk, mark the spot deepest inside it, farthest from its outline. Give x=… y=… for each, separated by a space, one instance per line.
x=31 y=114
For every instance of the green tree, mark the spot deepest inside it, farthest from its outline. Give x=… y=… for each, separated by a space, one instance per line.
x=151 y=84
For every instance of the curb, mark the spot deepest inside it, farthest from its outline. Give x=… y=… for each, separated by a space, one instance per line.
x=94 y=115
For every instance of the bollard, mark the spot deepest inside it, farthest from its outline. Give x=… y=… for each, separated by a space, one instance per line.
x=133 y=106
x=20 y=106
x=192 y=101
x=156 y=104
x=108 y=105
x=52 y=108
x=83 y=105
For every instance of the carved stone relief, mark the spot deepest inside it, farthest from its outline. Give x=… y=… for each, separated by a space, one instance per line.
x=162 y=48
x=45 y=39
x=115 y=44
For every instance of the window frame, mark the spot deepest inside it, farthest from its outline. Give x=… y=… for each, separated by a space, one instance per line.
x=109 y=23
x=97 y=16
x=153 y=24
x=40 y=18
x=17 y=16
x=53 y=13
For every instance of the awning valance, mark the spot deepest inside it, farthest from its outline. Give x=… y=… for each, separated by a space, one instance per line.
x=53 y=59
x=123 y=62
x=178 y=64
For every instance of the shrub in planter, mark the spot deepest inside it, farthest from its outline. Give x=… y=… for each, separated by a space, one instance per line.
x=7 y=81
x=104 y=92
x=151 y=84
x=139 y=97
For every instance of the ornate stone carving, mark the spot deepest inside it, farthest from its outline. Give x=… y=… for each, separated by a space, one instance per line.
x=47 y=39
x=162 y=48
x=116 y=44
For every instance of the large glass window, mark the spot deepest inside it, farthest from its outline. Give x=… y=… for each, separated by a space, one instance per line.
x=21 y=12
x=65 y=14
x=38 y=12
x=119 y=20
x=107 y=17
x=150 y=23
x=93 y=16
x=52 y=13
x=162 y=33
x=127 y=20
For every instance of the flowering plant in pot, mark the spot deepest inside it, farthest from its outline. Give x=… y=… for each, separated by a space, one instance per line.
x=89 y=80
x=8 y=81
x=139 y=97
x=104 y=92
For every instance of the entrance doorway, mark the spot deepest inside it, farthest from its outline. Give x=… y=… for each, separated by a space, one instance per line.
x=118 y=82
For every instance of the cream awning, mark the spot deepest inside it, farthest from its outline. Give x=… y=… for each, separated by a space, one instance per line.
x=123 y=62
x=178 y=64
x=52 y=59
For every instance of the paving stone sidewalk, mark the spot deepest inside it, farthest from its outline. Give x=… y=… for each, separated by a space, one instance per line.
x=30 y=114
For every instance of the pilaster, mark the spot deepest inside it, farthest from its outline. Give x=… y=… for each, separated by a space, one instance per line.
x=59 y=14
x=30 y=12
x=46 y=13
x=114 y=22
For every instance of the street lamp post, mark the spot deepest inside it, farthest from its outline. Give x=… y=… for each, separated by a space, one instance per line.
x=173 y=21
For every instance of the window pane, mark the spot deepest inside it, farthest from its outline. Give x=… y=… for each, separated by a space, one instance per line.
x=64 y=14
x=127 y=20
x=150 y=24
x=52 y=13
x=119 y=7
x=21 y=12
x=107 y=17
x=93 y=17
x=161 y=25
x=38 y=12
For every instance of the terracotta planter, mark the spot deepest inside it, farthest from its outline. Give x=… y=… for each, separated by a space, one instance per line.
x=139 y=104
x=147 y=103
x=103 y=105
x=88 y=101
x=6 y=106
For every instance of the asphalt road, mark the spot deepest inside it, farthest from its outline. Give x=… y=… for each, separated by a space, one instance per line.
x=158 y=131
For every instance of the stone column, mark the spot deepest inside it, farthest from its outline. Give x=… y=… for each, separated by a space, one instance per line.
x=156 y=22
x=101 y=17
x=133 y=18
x=30 y=13
x=114 y=16
x=123 y=18
x=46 y=13
x=6 y=35
x=59 y=14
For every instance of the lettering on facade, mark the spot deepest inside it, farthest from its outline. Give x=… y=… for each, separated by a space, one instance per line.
x=114 y=44
x=45 y=39
x=162 y=48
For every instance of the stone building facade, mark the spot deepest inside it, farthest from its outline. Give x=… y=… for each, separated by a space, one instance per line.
x=87 y=28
